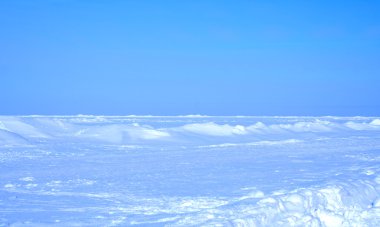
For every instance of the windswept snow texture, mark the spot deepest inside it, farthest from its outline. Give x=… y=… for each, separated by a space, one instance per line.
x=189 y=171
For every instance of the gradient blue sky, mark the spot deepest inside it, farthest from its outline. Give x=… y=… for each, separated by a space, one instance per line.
x=175 y=57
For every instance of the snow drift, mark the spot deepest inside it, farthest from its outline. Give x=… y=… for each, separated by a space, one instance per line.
x=127 y=129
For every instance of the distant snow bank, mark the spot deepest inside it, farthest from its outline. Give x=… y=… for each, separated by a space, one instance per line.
x=127 y=129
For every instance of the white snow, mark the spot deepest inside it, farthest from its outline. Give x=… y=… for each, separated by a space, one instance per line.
x=189 y=171
x=375 y=122
x=213 y=129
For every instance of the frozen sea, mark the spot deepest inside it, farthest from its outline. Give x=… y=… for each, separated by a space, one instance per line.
x=189 y=171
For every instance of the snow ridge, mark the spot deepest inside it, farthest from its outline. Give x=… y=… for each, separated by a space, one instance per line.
x=128 y=130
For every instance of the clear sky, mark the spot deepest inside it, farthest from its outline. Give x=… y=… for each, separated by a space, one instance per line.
x=171 y=57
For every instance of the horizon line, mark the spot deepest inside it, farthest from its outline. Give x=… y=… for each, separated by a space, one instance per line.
x=189 y=116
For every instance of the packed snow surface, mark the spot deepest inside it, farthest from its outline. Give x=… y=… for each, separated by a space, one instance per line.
x=189 y=171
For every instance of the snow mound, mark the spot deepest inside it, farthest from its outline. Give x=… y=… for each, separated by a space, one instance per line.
x=375 y=122
x=10 y=138
x=17 y=126
x=213 y=129
x=344 y=204
x=362 y=126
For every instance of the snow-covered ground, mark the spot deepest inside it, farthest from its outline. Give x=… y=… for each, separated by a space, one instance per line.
x=189 y=170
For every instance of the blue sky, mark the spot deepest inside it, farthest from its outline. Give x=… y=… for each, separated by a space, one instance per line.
x=190 y=57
